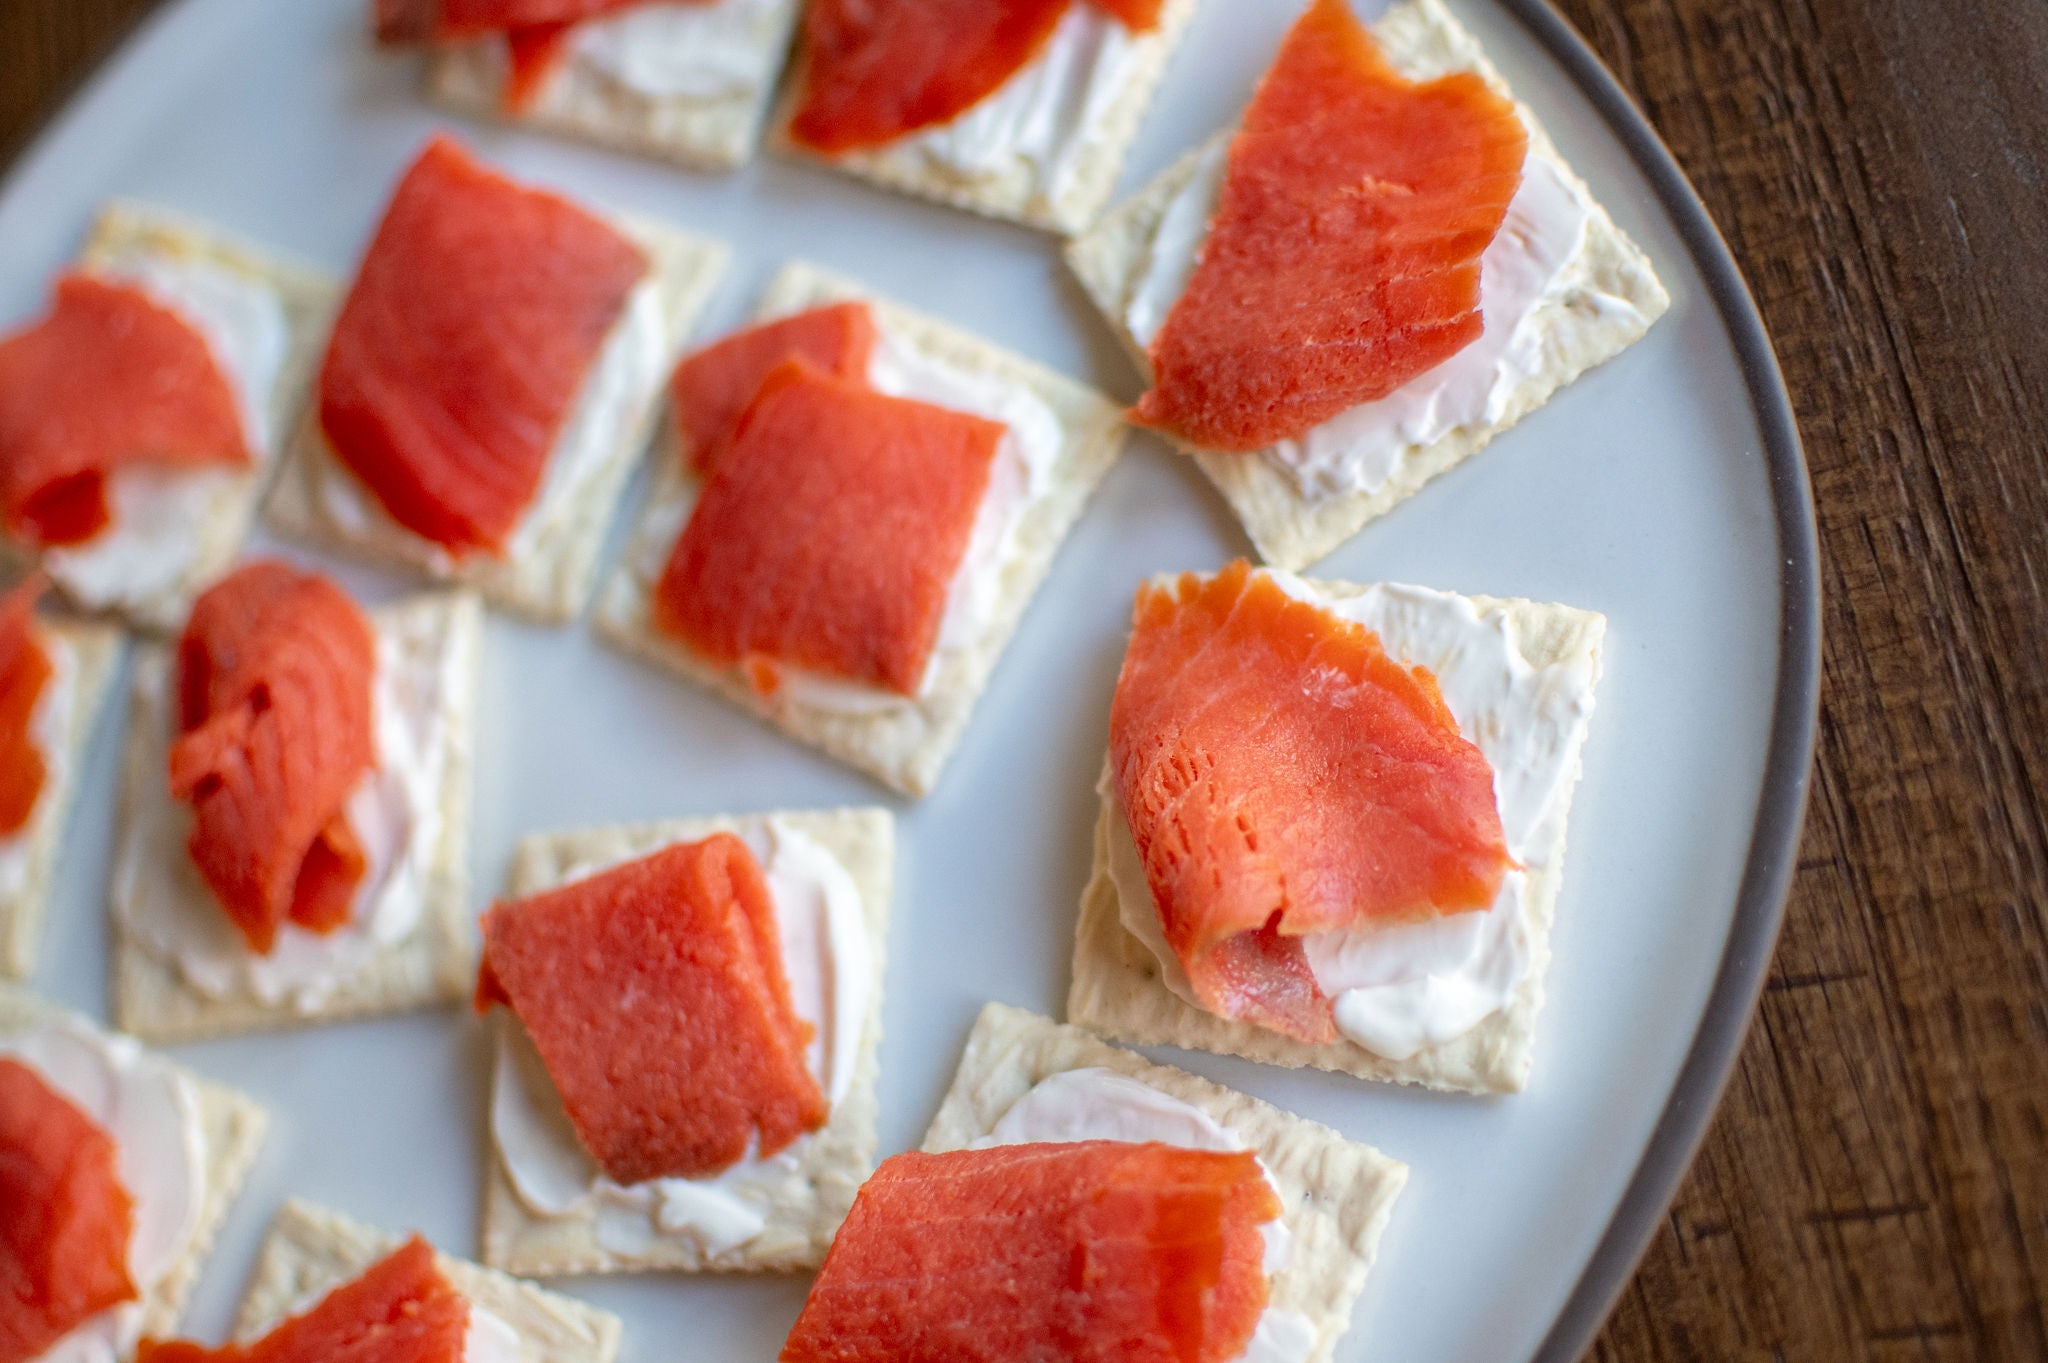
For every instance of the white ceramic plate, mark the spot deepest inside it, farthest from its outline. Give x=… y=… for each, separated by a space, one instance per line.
x=1664 y=489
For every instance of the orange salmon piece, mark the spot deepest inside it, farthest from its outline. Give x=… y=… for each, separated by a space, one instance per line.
x=1343 y=259
x=107 y=380
x=712 y=387
x=655 y=994
x=1282 y=775
x=65 y=1218
x=274 y=674
x=1089 y=1252
x=25 y=672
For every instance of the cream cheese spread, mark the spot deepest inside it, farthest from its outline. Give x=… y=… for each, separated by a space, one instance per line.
x=685 y=51
x=49 y=728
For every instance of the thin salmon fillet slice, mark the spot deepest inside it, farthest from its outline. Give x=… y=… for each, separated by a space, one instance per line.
x=655 y=994
x=25 y=672
x=875 y=71
x=401 y=1310
x=1089 y=1252
x=1343 y=258
x=275 y=732
x=712 y=387
x=480 y=311
x=829 y=533
x=65 y=1218
x=107 y=380
x=1282 y=775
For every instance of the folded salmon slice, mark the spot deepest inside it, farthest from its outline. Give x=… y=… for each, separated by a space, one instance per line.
x=1343 y=257
x=65 y=1218
x=829 y=532
x=1089 y=1252
x=875 y=71
x=1281 y=775
x=478 y=314
x=712 y=387
x=25 y=672
x=275 y=732
x=401 y=1310
x=655 y=994
x=108 y=380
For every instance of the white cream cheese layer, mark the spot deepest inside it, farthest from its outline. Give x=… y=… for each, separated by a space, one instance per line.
x=682 y=51
x=1534 y=265
x=1401 y=989
x=152 y=543
x=152 y=1113
x=1046 y=115
x=49 y=727
x=490 y=1339
x=829 y=963
x=395 y=813
x=1095 y=1104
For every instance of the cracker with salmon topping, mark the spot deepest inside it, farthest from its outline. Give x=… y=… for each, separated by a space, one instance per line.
x=901 y=742
x=310 y=1251
x=1295 y=514
x=1338 y=1194
x=180 y=969
x=818 y=1174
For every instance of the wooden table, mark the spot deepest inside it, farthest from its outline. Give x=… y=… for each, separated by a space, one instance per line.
x=1876 y=1184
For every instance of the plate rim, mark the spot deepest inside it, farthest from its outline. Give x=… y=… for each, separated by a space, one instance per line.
x=1766 y=884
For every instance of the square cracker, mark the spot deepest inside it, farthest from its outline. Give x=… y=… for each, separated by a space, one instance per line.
x=94 y=652
x=310 y=1251
x=232 y=1129
x=1118 y=990
x=1338 y=1193
x=549 y=578
x=904 y=746
x=717 y=133
x=1293 y=527
x=125 y=231
x=838 y=1157
x=1019 y=193
x=434 y=963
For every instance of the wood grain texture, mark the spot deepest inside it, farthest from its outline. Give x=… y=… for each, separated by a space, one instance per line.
x=1876 y=1184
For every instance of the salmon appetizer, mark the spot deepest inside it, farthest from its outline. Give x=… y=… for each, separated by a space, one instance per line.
x=1019 y=110
x=138 y=414
x=1333 y=822
x=488 y=383
x=685 y=1075
x=115 y=1170
x=1325 y=349
x=855 y=504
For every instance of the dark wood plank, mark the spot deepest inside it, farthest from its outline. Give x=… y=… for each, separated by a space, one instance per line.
x=1876 y=1184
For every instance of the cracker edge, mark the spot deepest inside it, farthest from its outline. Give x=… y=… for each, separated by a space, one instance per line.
x=96 y=655
x=1338 y=1193
x=905 y=747
x=863 y=839
x=1014 y=197
x=153 y=1001
x=1291 y=530
x=234 y=1127
x=551 y=581
x=1117 y=988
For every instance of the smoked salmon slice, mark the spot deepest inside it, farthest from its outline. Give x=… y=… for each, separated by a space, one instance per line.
x=712 y=387
x=1089 y=1252
x=479 y=312
x=1282 y=775
x=65 y=1219
x=875 y=71
x=1343 y=258
x=25 y=673
x=401 y=1310
x=656 y=997
x=107 y=380
x=829 y=532
x=275 y=732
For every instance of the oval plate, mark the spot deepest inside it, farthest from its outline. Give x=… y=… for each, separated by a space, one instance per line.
x=1665 y=489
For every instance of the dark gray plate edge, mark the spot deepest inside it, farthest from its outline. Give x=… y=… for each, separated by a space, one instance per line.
x=1781 y=806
